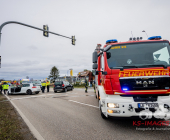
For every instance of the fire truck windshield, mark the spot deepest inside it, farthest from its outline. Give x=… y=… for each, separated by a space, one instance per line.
x=141 y=54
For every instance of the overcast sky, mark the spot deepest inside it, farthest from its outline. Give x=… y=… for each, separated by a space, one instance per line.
x=26 y=52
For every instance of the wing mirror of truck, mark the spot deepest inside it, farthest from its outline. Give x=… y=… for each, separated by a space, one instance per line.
x=95 y=66
x=94 y=57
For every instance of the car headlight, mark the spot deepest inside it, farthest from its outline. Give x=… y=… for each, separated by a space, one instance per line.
x=113 y=105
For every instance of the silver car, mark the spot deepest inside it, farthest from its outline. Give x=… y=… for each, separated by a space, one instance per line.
x=27 y=88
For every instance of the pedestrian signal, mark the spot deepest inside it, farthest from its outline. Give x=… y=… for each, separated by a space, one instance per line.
x=45 y=27
x=73 y=40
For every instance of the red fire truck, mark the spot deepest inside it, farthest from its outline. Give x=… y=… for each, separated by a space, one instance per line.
x=132 y=75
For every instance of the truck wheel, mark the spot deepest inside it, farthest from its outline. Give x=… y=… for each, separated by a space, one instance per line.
x=103 y=116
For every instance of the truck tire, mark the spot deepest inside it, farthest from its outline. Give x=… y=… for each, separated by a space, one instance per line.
x=102 y=115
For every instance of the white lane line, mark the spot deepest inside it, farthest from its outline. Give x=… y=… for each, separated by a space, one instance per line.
x=61 y=94
x=31 y=127
x=29 y=97
x=84 y=104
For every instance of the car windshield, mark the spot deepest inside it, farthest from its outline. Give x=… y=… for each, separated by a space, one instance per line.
x=139 y=55
x=25 y=82
x=36 y=82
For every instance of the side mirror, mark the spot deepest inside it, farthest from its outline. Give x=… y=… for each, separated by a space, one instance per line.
x=95 y=66
x=94 y=57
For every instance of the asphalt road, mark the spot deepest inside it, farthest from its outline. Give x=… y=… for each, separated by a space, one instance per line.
x=75 y=115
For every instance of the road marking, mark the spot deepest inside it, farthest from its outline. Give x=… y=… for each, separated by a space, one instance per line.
x=29 y=97
x=84 y=104
x=31 y=127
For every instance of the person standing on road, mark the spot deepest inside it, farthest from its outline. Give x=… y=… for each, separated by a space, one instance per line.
x=5 y=87
x=43 y=86
x=48 y=85
x=91 y=82
x=86 y=85
x=0 y=88
x=94 y=86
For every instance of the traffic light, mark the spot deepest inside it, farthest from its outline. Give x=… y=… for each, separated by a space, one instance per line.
x=73 y=40
x=45 y=27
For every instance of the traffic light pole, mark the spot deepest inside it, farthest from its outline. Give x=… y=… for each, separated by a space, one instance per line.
x=15 y=22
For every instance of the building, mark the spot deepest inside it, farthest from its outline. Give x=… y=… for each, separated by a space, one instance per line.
x=88 y=74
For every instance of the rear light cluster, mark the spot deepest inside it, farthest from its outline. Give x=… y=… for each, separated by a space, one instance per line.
x=34 y=87
x=62 y=85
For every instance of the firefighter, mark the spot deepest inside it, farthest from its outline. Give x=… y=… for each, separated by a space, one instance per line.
x=48 y=85
x=86 y=85
x=5 y=87
x=43 y=86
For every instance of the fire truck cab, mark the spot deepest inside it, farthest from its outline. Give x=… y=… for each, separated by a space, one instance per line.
x=132 y=76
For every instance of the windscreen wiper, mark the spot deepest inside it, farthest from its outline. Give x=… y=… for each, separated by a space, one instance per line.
x=130 y=66
x=155 y=65
x=124 y=67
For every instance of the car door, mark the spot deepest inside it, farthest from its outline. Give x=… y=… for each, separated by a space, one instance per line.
x=24 y=88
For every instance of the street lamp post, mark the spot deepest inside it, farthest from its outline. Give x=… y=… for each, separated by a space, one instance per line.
x=145 y=32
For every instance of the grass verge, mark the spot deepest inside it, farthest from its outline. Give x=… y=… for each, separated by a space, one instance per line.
x=12 y=127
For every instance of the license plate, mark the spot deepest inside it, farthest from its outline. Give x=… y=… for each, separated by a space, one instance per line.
x=149 y=105
x=58 y=86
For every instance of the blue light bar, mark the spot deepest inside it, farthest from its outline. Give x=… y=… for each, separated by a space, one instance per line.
x=111 y=41
x=124 y=89
x=154 y=37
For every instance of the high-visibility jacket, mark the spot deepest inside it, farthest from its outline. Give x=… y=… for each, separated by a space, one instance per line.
x=48 y=83
x=43 y=84
x=5 y=86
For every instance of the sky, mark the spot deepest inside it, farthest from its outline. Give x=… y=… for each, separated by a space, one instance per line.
x=26 y=52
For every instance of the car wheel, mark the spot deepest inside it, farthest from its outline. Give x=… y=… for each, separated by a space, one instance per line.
x=65 y=90
x=71 y=88
x=37 y=92
x=29 y=92
x=103 y=116
x=9 y=93
x=55 y=91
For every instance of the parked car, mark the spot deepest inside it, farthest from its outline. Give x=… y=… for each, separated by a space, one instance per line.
x=28 y=88
x=62 y=86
